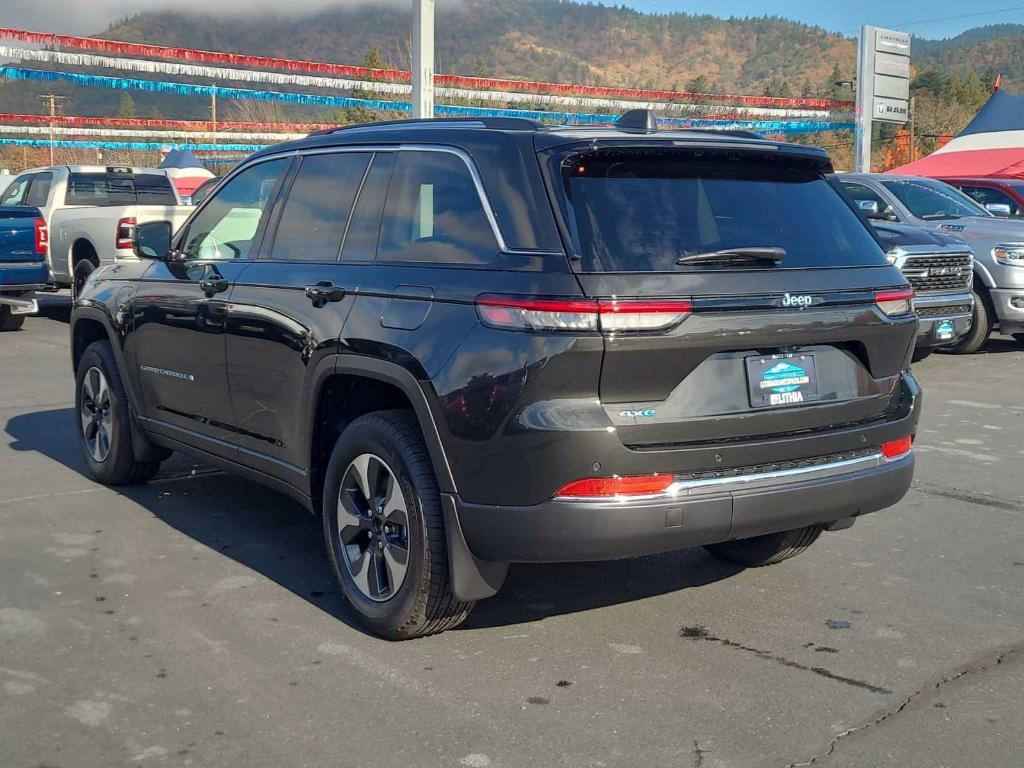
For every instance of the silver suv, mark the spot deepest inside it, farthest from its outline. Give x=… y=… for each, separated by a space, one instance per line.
x=998 y=243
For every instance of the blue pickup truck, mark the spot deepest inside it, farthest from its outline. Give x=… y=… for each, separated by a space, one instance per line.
x=24 y=239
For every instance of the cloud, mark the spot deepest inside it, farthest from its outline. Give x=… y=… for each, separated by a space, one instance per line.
x=93 y=16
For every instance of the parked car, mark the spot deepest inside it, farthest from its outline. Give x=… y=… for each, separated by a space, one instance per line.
x=1000 y=197
x=92 y=212
x=471 y=343
x=940 y=267
x=998 y=244
x=23 y=271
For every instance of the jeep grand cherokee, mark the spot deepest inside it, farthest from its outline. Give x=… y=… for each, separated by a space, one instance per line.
x=470 y=343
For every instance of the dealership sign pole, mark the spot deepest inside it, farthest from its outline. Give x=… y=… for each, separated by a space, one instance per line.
x=883 y=86
x=423 y=58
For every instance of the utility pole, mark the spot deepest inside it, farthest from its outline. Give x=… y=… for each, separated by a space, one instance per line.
x=213 y=111
x=423 y=58
x=913 y=121
x=51 y=100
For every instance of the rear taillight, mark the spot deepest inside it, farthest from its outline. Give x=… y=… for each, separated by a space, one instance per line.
x=895 y=449
x=631 y=485
x=581 y=315
x=42 y=236
x=897 y=302
x=125 y=232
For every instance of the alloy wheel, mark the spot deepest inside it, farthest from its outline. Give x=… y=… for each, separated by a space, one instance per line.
x=96 y=414
x=373 y=527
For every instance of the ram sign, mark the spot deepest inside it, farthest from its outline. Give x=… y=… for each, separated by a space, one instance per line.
x=883 y=84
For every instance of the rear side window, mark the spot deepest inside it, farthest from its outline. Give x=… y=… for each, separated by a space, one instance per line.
x=641 y=211
x=434 y=213
x=364 y=228
x=39 y=192
x=318 y=207
x=107 y=190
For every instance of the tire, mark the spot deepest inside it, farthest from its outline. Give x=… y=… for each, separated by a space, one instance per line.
x=83 y=269
x=981 y=328
x=384 y=452
x=921 y=354
x=769 y=549
x=8 y=320
x=116 y=464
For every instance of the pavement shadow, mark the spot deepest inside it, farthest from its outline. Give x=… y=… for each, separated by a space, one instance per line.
x=276 y=537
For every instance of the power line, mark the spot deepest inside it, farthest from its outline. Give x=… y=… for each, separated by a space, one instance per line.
x=961 y=16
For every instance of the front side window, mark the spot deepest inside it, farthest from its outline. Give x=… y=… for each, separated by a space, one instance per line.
x=646 y=211
x=929 y=199
x=39 y=191
x=987 y=196
x=318 y=207
x=434 y=213
x=15 y=193
x=227 y=225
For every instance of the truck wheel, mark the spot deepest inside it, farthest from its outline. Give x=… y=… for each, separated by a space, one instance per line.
x=768 y=549
x=921 y=354
x=104 y=420
x=384 y=529
x=8 y=320
x=83 y=269
x=981 y=328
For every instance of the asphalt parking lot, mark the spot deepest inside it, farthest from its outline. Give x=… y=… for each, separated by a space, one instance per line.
x=194 y=621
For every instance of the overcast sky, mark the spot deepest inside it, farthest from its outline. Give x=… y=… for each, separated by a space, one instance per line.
x=927 y=18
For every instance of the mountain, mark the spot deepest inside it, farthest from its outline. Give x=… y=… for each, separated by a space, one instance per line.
x=558 y=41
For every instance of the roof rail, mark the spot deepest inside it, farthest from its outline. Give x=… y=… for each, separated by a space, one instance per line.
x=497 y=123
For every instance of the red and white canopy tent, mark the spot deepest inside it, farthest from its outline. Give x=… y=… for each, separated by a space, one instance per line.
x=992 y=145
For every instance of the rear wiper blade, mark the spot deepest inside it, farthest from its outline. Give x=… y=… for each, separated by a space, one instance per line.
x=771 y=255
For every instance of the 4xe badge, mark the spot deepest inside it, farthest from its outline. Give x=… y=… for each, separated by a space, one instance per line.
x=784 y=381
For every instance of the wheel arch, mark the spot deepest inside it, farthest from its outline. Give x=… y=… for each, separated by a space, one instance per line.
x=82 y=249
x=351 y=388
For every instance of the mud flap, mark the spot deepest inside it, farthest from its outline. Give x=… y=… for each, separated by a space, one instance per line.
x=472 y=579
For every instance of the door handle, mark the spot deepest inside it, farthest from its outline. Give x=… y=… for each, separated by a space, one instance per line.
x=323 y=292
x=213 y=285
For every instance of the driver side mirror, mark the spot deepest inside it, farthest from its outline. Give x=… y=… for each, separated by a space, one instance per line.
x=870 y=209
x=153 y=240
x=1001 y=210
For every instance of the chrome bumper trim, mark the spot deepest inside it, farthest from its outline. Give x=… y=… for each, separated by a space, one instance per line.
x=686 y=489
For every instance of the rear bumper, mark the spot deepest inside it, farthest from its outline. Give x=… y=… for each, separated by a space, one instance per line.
x=691 y=514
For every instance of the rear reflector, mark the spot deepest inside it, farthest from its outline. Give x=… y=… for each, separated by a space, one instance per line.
x=633 y=485
x=42 y=237
x=576 y=315
x=898 y=302
x=897 y=448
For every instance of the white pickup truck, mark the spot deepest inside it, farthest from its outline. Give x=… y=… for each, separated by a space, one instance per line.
x=92 y=212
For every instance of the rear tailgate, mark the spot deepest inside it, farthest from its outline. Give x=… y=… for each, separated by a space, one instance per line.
x=18 y=235
x=769 y=350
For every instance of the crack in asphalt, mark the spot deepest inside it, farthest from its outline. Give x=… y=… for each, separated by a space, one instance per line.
x=698 y=754
x=699 y=632
x=975 y=667
x=970 y=497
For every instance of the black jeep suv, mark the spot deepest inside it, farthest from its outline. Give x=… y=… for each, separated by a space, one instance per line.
x=470 y=343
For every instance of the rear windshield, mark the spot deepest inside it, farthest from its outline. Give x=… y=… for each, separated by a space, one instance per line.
x=642 y=211
x=932 y=200
x=103 y=190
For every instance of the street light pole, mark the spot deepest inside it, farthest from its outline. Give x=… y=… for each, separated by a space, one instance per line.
x=423 y=58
